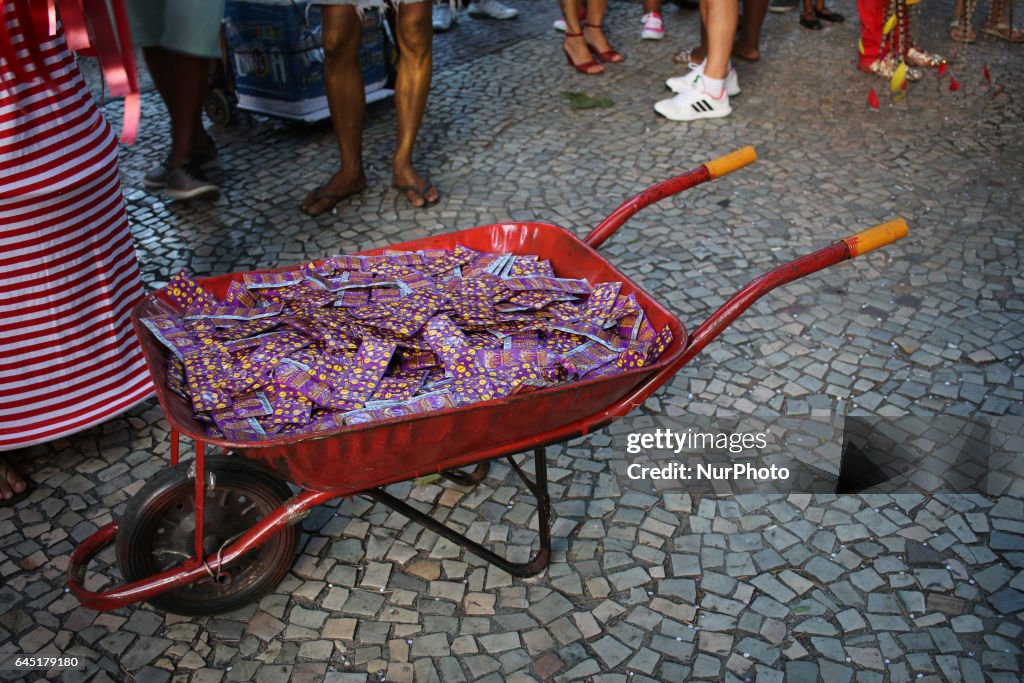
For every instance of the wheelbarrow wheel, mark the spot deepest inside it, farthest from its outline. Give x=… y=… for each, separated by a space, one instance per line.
x=219 y=107
x=157 y=532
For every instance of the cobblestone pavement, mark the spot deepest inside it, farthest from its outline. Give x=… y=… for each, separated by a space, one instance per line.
x=641 y=587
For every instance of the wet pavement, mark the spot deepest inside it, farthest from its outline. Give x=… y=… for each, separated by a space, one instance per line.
x=643 y=585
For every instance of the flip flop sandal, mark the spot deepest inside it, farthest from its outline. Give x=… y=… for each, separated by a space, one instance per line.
x=18 y=497
x=954 y=33
x=419 y=191
x=1003 y=32
x=318 y=197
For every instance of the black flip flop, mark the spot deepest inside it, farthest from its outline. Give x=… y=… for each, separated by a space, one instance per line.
x=812 y=24
x=334 y=199
x=829 y=15
x=18 y=497
x=419 y=191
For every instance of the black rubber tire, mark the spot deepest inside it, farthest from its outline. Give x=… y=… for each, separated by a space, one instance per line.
x=167 y=503
x=219 y=107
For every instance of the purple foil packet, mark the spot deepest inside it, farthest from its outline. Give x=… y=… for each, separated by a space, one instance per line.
x=399 y=387
x=502 y=358
x=172 y=334
x=288 y=407
x=550 y=284
x=587 y=358
x=660 y=344
x=368 y=367
x=272 y=280
x=176 y=376
x=601 y=302
x=236 y=312
x=635 y=356
x=238 y=295
x=294 y=377
x=410 y=360
x=187 y=294
x=594 y=333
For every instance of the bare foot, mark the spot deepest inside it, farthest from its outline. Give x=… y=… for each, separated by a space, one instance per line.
x=11 y=482
x=418 y=190
x=746 y=53
x=342 y=184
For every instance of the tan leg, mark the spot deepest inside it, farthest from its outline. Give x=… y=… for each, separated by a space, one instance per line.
x=574 y=44
x=415 y=36
x=593 y=31
x=722 y=16
x=343 y=81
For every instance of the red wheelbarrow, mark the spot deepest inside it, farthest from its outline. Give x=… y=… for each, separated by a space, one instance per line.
x=215 y=533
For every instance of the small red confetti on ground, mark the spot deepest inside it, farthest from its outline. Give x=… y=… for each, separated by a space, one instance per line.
x=999 y=90
x=954 y=84
x=942 y=69
x=988 y=76
x=873 y=99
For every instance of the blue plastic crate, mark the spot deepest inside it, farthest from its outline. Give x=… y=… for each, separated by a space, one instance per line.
x=275 y=51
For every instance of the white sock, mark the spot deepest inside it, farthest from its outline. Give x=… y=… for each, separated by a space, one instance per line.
x=714 y=86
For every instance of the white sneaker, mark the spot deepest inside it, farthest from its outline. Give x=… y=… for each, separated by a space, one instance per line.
x=693 y=104
x=681 y=83
x=560 y=25
x=653 y=29
x=442 y=17
x=493 y=9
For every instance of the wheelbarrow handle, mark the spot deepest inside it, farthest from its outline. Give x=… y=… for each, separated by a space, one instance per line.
x=847 y=248
x=703 y=173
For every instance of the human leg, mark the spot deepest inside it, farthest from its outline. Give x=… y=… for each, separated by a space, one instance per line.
x=748 y=44
x=574 y=45
x=722 y=17
x=346 y=99
x=807 y=18
x=1000 y=23
x=181 y=80
x=708 y=97
x=654 y=27
x=960 y=28
x=412 y=86
x=593 y=32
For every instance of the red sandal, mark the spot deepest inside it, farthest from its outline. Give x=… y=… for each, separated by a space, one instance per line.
x=585 y=68
x=610 y=56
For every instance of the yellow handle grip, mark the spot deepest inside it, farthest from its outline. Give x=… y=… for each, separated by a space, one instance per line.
x=733 y=161
x=876 y=237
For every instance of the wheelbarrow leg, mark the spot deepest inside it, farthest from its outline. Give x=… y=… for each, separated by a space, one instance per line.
x=468 y=478
x=539 y=488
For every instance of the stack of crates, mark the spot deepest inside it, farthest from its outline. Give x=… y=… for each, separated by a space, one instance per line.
x=274 y=48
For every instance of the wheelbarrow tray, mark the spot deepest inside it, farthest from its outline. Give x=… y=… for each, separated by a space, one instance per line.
x=353 y=459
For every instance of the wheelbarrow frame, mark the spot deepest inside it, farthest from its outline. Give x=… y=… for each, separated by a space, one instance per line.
x=629 y=390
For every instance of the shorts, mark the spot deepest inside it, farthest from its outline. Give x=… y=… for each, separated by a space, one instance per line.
x=363 y=5
x=191 y=27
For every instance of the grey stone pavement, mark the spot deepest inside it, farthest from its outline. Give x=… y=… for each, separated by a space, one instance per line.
x=642 y=586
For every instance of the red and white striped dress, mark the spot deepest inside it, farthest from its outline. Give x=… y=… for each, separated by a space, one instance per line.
x=69 y=277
